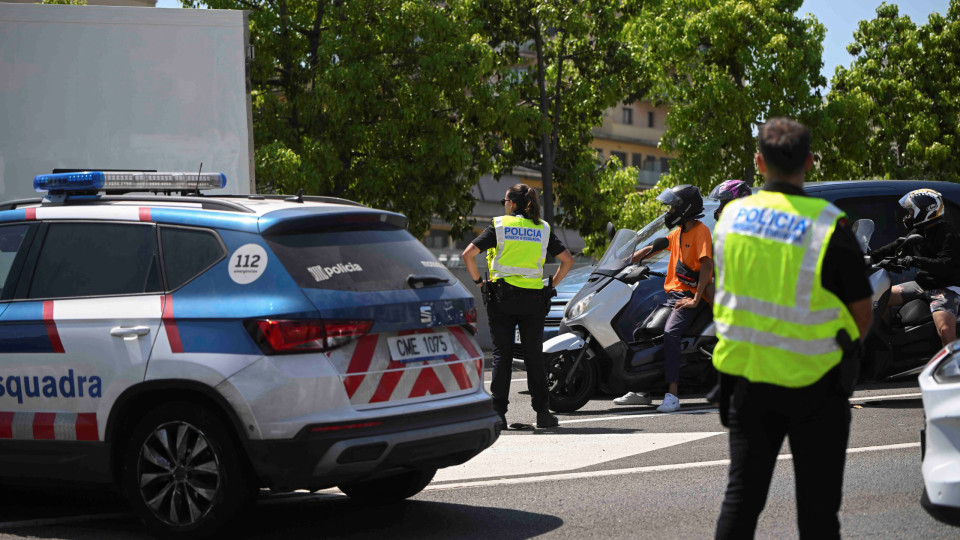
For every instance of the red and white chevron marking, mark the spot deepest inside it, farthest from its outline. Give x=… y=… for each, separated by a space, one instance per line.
x=49 y=426
x=372 y=377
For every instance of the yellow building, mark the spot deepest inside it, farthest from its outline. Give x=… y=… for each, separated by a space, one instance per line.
x=631 y=132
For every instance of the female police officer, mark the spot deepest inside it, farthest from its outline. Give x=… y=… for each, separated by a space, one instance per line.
x=518 y=243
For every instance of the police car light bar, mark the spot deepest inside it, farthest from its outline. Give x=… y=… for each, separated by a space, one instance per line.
x=128 y=181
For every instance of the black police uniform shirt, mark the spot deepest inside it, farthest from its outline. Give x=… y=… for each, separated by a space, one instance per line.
x=488 y=240
x=844 y=271
x=937 y=256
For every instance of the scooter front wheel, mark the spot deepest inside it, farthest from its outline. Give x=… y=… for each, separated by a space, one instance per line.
x=571 y=384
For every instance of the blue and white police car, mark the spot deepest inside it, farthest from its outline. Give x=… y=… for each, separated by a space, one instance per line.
x=193 y=349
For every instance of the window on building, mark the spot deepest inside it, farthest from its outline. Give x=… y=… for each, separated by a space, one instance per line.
x=627 y=115
x=622 y=156
x=650 y=119
x=665 y=164
x=637 y=160
x=650 y=163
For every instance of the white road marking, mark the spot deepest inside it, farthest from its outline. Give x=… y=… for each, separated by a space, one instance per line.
x=890 y=396
x=633 y=470
x=539 y=454
x=60 y=521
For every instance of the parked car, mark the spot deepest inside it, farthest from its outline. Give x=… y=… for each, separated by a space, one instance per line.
x=939 y=436
x=572 y=283
x=194 y=349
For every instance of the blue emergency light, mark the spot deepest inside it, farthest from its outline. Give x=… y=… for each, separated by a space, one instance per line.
x=127 y=181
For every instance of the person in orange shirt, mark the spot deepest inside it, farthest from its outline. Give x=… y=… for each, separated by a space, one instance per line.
x=689 y=272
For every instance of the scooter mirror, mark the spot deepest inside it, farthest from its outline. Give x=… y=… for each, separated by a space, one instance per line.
x=659 y=244
x=611 y=230
x=863 y=231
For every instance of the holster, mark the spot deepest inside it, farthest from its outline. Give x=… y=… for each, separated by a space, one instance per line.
x=850 y=362
x=726 y=391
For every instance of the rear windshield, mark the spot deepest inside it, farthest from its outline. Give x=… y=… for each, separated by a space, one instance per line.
x=356 y=259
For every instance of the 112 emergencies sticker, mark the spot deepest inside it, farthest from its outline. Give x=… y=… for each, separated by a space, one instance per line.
x=247 y=264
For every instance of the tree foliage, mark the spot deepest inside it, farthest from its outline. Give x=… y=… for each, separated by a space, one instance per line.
x=65 y=2
x=723 y=67
x=895 y=113
x=565 y=61
x=387 y=102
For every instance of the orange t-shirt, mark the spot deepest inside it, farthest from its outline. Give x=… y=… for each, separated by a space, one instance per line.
x=697 y=244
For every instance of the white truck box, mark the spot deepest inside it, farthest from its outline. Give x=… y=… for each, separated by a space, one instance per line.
x=123 y=88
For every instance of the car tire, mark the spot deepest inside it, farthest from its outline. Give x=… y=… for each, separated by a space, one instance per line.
x=564 y=398
x=183 y=472
x=389 y=489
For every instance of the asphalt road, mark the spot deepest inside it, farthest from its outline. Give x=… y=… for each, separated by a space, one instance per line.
x=606 y=472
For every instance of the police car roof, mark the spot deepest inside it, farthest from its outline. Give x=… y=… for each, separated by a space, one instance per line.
x=251 y=213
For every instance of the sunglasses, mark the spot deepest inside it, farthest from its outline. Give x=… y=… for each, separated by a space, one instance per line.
x=503 y=201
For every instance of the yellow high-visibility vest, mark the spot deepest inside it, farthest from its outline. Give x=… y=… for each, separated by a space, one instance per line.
x=521 y=250
x=775 y=322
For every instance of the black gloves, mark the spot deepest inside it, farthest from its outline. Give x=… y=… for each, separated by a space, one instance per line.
x=907 y=261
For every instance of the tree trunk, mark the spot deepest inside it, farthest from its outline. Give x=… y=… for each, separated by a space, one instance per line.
x=546 y=149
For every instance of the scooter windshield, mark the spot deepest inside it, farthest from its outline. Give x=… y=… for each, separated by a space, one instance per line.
x=626 y=242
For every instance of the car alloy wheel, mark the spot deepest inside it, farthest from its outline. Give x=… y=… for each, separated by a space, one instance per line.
x=179 y=473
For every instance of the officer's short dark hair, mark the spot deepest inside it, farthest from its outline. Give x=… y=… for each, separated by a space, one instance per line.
x=784 y=145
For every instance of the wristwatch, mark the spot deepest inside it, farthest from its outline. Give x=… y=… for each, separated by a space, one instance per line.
x=478 y=281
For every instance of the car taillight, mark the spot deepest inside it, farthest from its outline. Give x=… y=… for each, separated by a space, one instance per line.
x=284 y=336
x=471 y=316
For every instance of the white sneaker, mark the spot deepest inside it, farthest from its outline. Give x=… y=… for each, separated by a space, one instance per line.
x=633 y=398
x=670 y=404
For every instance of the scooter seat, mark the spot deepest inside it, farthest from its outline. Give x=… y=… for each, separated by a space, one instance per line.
x=654 y=324
x=915 y=313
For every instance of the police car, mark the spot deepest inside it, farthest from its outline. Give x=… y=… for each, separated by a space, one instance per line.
x=193 y=349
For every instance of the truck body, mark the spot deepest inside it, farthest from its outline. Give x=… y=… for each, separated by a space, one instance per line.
x=123 y=88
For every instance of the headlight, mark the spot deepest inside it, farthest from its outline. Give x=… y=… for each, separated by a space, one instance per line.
x=949 y=370
x=581 y=306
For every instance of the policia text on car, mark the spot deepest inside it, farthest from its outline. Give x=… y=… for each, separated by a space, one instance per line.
x=791 y=300
x=517 y=245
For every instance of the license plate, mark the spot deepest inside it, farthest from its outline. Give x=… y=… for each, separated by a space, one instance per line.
x=420 y=347
x=516 y=336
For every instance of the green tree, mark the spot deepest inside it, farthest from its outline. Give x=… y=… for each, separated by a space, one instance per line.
x=387 y=102
x=565 y=62
x=896 y=111
x=723 y=67
x=65 y=2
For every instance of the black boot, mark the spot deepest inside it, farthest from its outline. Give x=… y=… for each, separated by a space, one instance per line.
x=546 y=420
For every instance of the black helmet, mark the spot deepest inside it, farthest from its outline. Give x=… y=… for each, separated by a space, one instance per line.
x=685 y=203
x=921 y=206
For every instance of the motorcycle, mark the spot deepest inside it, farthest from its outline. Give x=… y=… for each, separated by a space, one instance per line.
x=899 y=347
x=597 y=348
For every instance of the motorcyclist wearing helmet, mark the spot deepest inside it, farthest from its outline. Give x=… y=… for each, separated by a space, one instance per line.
x=727 y=191
x=689 y=272
x=937 y=260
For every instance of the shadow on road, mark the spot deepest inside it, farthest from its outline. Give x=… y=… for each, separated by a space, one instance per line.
x=343 y=518
x=911 y=403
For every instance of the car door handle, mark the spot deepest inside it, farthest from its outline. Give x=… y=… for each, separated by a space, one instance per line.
x=129 y=331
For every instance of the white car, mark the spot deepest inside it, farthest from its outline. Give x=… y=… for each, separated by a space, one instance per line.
x=940 y=437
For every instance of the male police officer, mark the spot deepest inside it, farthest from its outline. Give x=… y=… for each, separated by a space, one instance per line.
x=791 y=286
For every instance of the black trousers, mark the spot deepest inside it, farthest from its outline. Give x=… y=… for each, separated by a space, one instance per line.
x=816 y=419
x=525 y=310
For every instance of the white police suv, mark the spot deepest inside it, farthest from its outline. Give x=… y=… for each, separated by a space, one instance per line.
x=193 y=349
